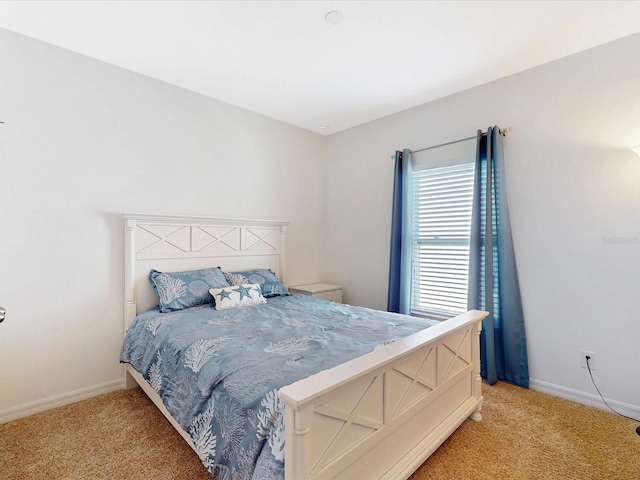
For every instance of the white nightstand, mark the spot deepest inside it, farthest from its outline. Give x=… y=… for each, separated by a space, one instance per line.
x=326 y=291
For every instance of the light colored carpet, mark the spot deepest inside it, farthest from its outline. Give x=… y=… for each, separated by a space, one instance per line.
x=524 y=435
x=121 y=435
x=527 y=435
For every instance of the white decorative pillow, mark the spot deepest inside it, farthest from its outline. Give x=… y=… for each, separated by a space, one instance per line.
x=238 y=296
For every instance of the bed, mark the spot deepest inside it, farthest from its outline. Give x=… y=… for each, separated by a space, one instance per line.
x=378 y=415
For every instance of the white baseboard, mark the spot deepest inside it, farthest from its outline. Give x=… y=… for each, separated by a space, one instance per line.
x=584 y=398
x=27 y=409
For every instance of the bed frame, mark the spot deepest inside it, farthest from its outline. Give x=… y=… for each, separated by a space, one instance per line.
x=378 y=416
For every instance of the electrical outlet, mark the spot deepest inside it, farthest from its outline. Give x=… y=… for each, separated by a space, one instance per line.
x=583 y=359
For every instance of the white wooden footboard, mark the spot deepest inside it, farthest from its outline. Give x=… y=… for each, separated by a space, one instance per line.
x=381 y=415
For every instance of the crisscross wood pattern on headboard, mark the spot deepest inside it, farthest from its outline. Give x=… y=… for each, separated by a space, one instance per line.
x=167 y=241
x=170 y=243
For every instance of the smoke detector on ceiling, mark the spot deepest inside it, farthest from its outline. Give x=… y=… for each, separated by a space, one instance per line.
x=335 y=17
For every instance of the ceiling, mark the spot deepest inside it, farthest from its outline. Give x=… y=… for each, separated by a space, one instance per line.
x=281 y=59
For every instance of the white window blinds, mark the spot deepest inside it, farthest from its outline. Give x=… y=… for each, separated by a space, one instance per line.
x=442 y=204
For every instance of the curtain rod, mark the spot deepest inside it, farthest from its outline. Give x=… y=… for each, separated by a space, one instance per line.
x=445 y=144
x=502 y=131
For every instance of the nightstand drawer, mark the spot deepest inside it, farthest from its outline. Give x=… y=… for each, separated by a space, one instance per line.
x=325 y=291
x=334 y=296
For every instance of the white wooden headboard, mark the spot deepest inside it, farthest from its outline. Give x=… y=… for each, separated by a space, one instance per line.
x=175 y=243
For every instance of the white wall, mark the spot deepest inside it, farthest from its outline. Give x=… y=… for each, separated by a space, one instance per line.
x=85 y=141
x=571 y=182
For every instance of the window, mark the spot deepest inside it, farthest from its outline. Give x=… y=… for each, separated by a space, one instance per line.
x=442 y=206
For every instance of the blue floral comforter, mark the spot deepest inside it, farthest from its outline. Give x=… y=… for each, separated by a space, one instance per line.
x=218 y=372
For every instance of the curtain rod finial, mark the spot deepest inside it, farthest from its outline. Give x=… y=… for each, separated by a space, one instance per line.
x=504 y=131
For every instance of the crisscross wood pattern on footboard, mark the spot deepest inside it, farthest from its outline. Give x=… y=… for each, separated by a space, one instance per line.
x=381 y=415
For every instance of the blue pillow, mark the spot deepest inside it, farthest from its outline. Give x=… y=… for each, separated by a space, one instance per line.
x=269 y=283
x=179 y=290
